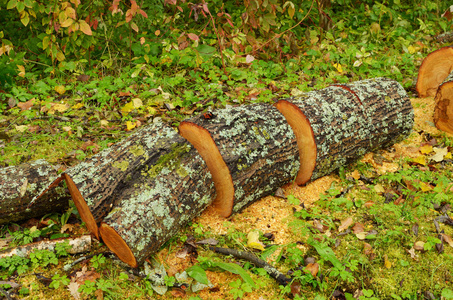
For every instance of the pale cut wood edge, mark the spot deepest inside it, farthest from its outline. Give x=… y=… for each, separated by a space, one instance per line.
x=202 y=140
x=52 y=185
x=443 y=111
x=433 y=71
x=117 y=244
x=305 y=139
x=81 y=206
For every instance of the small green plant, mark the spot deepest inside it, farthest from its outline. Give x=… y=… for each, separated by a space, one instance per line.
x=97 y=260
x=58 y=280
x=368 y=295
x=239 y=288
x=14 y=263
x=25 y=236
x=169 y=280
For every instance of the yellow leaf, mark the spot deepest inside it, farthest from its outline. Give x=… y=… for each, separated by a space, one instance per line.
x=130 y=125
x=420 y=160
x=21 y=128
x=425 y=187
x=77 y=106
x=128 y=108
x=60 y=89
x=60 y=56
x=85 y=28
x=137 y=102
x=387 y=263
x=25 y=18
x=59 y=107
x=253 y=240
x=379 y=188
x=66 y=23
x=447 y=156
x=411 y=49
x=361 y=235
x=21 y=70
x=104 y=123
x=338 y=67
x=426 y=149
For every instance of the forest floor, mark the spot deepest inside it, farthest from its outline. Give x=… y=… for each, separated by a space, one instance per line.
x=370 y=231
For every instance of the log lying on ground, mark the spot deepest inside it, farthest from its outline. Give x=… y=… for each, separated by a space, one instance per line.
x=162 y=196
x=18 y=186
x=443 y=111
x=250 y=150
x=346 y=122
x=96 y=183
x=433 y=71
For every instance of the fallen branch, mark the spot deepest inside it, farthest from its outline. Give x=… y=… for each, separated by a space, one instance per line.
x=77 y=245
x=250 y=257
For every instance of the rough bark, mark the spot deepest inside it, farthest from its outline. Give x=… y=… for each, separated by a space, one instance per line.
x=18 y=186
x=443 y=111
x=347 y=122
x=96 y=183
x=446 y=37
x=253 y=147
x=163 y=195
x=433 y=71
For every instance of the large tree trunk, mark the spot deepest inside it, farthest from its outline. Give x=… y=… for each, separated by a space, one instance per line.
x=443 y=111
x=162 y=197
x=433 y=71
x=346 y=121
x=250 y=150
x=18 y=186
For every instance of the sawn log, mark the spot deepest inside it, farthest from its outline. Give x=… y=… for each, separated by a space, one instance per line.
x=443 y=111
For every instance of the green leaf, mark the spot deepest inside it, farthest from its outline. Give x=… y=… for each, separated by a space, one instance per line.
x=198 y=273
x=326 y=253
x=11 y=4
x=235 y=269
x=447 y=294
x=20 y=6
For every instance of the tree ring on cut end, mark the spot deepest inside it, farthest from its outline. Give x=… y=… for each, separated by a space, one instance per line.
x=82 y=206
x=118 y=246
x=304 y=136
x=202 y=140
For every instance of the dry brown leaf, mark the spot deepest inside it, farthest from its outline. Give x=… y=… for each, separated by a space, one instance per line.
x=73 y=288
x=412 y=253
x=89 y=275
x=317 y=224
x=312 y=268
x=448 y=239
x=4 y=243
x=358 y=227
x=26 y=105
x=368 y=204
x=345 y=224
x=367 y=249
x=99 y=294
x=355 y=174
x=68 y=227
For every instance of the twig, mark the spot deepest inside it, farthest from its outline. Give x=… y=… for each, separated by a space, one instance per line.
x=280 y=34
x=6 y=294
x=273 y=272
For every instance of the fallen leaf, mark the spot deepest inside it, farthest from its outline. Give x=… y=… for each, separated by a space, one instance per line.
x=426 y=149
x=448 y=239
x=249 y=58
x=367 y=249
x=68 y=227
x=421 y=160
x=412 y=253
x=361 y=235
x=26 y=105
x=88 y=275
x=73 y=288
x=425 y=187
x=440 y=154
x=387 y=263
x=253 y=240
x=355 y=174
x=358 y=227
x=379 y=188
x=313 y=268
x=21 y=128
x=415 y=229
x=58 y=107
x=4 y=243
x=60 y=89
x=419 y=246
x=345 y=224
x=130 y=125
x=368 y=204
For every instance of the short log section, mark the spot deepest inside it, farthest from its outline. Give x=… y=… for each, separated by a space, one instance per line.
x=18 y=186
x=96 y=183
x=250 y=150
x=171 y=187
x=433 y=71
x=443 y=111
x=347 y=121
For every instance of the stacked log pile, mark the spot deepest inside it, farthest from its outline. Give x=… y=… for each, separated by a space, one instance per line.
x=435 y=78
x=141 y=191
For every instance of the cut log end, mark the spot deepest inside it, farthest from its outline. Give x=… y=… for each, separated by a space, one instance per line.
x=304 y=136
x=116 y=243
x=202 y=140
x=82 y=206
x=433 y=71
x=443 y=112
